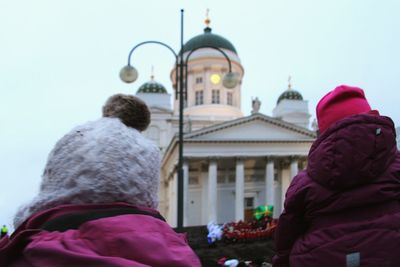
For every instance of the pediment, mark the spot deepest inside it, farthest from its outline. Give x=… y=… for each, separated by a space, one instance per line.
x=252 y=128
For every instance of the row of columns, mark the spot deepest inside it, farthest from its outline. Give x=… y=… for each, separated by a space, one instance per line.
x=239 y=187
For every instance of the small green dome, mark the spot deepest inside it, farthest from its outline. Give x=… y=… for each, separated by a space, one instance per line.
x=208 y=39
x=290 y=94
x=152 y=87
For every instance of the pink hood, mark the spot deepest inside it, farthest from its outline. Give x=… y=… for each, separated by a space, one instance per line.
x=117 y=241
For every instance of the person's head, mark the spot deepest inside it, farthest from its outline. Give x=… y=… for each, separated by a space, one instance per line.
x=340 y=103
x=103 y=161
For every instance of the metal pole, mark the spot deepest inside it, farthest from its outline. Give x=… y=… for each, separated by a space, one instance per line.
x=181 y=92
x=180 y=159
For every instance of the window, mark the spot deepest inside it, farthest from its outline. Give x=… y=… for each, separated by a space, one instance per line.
x=231 y=178
x=199 y=80
x=193 y=180
x=249 y=202
x=199 y=98
x=253 y=178
x=229 y=99
x=215 y=97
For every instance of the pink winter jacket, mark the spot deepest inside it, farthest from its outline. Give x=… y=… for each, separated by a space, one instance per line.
x=344 y=209
x=114 y=235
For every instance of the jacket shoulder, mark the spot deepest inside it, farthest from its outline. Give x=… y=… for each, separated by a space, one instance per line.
x=297 y=191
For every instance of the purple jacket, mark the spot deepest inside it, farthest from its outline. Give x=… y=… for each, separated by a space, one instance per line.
x=115 y=235
x=345 y=207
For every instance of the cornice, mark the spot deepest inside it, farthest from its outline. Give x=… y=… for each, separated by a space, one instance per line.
x=253 y=117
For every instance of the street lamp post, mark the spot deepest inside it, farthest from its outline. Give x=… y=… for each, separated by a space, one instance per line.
x=129 y=74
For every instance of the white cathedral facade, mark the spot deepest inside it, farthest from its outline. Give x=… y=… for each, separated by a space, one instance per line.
x=232 y=162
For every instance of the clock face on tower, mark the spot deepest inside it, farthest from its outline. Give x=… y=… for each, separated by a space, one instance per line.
x=215 y=78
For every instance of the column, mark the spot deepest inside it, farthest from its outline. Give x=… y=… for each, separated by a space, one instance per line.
x=173 y=200
x=212 y=190
x=204 y=197
x=294 y=168
x=239 y=196
x=185 y=192
x=278 y=197
x=285 y=183
x=285 y=179
x=269 y=182
x=169 y=202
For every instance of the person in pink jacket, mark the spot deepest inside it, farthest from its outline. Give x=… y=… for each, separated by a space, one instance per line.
x=344 y=209
x=97 y=200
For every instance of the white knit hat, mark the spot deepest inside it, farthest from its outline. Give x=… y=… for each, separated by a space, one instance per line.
x=103 y=161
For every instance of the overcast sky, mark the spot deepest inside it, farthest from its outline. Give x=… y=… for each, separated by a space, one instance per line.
x=59 y=61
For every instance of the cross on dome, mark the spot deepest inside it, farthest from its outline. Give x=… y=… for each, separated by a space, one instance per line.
x=207 y=21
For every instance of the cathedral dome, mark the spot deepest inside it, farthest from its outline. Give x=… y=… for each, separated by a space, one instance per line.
x=208 y=39
x=152 y=87
x=290 y=94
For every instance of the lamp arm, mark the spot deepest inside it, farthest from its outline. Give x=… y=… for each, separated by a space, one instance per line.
x=151 y=42
x=213 y=47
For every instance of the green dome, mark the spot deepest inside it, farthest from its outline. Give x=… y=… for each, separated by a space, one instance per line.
x=290 y=94
x=208 y=39
x=152 y=87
